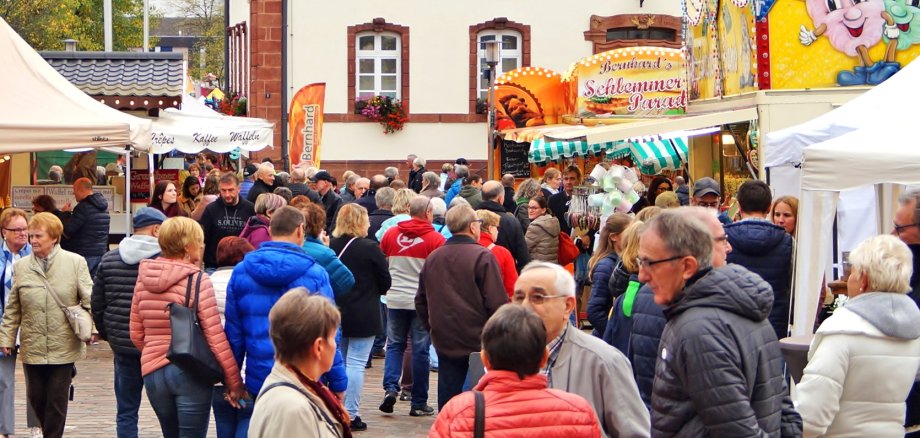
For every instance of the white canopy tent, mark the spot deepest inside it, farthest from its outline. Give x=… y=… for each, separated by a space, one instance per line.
x=889 y=101
x=41 y=111
x=196 y=127
x=876 y=157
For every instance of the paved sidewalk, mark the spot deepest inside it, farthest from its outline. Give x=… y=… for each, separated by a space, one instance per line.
x=92 y=413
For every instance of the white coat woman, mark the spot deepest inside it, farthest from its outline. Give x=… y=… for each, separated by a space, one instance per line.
x=864 y=359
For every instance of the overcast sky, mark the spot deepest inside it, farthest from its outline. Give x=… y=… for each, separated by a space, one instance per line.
x=164 y=5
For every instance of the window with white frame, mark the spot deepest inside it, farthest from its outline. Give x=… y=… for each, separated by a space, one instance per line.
x=377 y=65
x=510 y=55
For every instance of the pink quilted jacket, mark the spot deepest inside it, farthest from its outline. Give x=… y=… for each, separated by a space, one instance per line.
x=162 y=281
x=518 y=408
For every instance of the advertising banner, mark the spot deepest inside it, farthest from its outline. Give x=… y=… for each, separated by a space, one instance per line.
x=527 y=97
x=737 y=34
x=306 y=124
x=818 y=43
x=633 y=81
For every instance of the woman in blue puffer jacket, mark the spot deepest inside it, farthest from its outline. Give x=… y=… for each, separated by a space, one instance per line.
x=624 y=285
x=341 y=278
x=601 y=266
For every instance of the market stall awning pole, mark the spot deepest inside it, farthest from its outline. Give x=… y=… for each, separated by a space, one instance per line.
x=128 y=221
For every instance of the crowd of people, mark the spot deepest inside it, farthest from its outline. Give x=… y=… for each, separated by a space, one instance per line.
x=297 y=282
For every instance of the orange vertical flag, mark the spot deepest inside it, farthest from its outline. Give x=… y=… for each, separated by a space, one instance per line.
x=306 y=124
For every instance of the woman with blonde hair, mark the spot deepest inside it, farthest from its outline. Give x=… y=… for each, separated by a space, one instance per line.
x=48 y=347
x=293 y=401
x=256 y=229
x=360 y=307
x=400 y=211
x=784 y=212
x=601 y=266
x=552 y=179
x=623 y=285
x=864 y=358
x=181 y=401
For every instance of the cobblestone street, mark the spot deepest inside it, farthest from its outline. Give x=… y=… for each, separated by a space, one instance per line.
x=92 y=413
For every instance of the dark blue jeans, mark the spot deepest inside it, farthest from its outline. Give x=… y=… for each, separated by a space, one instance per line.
x=399 y=323
x=91 y=263
x=381 y=339
x=182 y=404
x=128 y=386
x=451 y=377
x=230 y=422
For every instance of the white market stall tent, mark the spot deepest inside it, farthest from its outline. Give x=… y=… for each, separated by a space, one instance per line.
x=881 y=157
x=41 y=111
x=196 y=127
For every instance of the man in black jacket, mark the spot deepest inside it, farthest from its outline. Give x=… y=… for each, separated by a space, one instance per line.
x=299 y=186
x=417 y=167
x=86 y=231
x=331 y=201
x=265 y=182
x=508 y=183
x=368 y=200
x=510 y=234
x=113 y=291
x=224 y=217
x=720 y=369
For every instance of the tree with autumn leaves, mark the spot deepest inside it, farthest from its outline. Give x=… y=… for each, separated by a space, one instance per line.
x=45 y=23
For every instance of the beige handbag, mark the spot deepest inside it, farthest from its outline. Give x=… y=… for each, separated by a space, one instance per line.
x=80 y=320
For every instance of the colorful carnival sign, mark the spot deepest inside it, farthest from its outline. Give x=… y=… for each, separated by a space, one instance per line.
x=634 y=81
x=306 y=124
x=529 y=96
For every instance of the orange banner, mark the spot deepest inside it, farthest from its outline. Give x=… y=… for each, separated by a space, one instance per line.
x=306 y=124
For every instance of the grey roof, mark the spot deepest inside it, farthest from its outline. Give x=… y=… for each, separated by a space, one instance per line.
x=151 y=74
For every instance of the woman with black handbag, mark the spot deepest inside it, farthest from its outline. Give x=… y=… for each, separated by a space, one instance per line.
x=49 y=347
x=178 y=378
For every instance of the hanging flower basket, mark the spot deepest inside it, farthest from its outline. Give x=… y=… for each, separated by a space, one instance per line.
x=389 y=112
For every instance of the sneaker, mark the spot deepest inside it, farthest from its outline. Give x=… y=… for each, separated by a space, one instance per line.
x=357 y=425
x=421 y=411
x=35 y=432
x=388 y=401
x=405 y=396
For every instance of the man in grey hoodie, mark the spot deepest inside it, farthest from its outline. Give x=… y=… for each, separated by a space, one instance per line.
x=113 y=291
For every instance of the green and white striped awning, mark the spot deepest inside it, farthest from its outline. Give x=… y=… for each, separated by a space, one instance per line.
x=650 y=156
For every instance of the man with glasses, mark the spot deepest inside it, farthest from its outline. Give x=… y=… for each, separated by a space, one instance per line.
x=647 y=317
x=707 y=193
x=407 y=246
x=763 y=248
x=459 y=288
x=907 y=228
x=719 y=370
x=579 y=363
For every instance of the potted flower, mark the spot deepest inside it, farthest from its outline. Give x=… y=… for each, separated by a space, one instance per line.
x=389 y=112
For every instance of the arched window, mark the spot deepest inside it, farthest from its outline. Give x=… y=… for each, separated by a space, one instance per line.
x=515 y=53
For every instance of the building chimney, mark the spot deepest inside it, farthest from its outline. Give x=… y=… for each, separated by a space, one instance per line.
x=70 y=45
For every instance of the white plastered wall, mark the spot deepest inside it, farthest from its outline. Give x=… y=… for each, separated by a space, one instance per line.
x=439 y=63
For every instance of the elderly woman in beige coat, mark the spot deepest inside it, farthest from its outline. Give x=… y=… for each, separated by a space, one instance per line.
x=48 y=346
x=293 y=402
x=542 y=234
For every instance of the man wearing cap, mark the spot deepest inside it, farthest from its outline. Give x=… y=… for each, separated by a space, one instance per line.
x=113 y=291
x=249 y=175
x=707 y=193
x=325 y=183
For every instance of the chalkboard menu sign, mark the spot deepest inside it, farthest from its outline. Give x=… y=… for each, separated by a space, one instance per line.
x=514 y=159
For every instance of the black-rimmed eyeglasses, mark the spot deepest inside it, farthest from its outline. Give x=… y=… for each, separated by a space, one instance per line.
x=646 y=263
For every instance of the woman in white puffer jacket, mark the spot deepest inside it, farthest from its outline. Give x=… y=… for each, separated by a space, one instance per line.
x=864 y=359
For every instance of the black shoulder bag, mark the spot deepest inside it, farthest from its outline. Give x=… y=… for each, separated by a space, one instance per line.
x=479 y=422
x=188 y=348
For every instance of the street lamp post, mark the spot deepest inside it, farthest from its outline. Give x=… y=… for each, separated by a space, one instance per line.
x=493 y=56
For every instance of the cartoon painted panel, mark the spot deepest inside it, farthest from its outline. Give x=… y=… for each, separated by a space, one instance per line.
x=527 y=97
x=701 y=41
x=826 y=43
x=736 y=35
